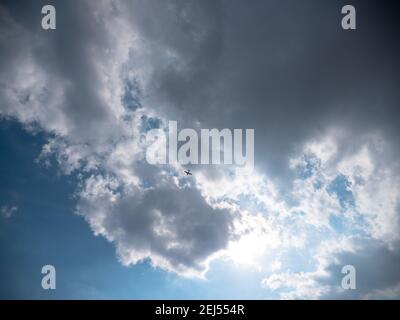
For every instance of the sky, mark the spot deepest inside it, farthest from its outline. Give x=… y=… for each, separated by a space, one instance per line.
x=76 y=191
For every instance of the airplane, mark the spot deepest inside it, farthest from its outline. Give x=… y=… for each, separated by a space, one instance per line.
x=188 y=173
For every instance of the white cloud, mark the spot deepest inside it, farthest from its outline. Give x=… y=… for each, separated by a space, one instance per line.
x=310 y=284
x=373 y=184
x=8 y=211
x=391 y=292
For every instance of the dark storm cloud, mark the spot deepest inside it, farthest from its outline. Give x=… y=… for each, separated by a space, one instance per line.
x=285 y=68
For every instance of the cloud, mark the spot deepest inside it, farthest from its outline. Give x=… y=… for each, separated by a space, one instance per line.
x=360 y=219
x=376 y=273
x=172 y=226
x=8 y=211
x=288 y=85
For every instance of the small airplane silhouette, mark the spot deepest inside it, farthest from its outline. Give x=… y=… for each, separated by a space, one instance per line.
x=188 y=173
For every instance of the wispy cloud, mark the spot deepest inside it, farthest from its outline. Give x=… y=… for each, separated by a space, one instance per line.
x=8 y=211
